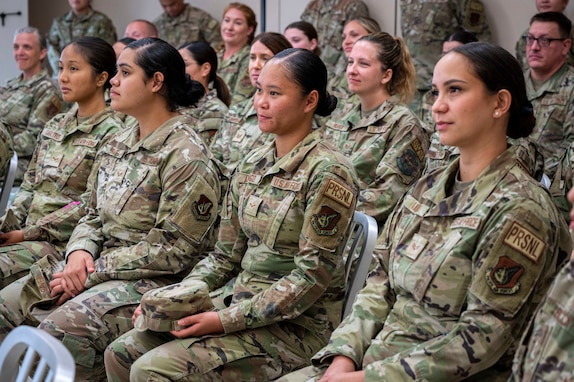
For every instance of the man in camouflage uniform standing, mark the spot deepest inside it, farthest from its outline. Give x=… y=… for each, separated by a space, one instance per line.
x=181 y=23
x=550 y=86
x=425 y=24
x=329 y=17
x=80 y=21
x=30 y=100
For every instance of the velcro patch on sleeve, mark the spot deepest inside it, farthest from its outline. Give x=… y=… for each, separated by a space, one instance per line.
x=339 y=193
x=524 y=241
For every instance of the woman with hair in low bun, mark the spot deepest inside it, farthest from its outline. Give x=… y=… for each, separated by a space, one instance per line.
x=201 y=65
x=469 y=251
x=276 y=269
x=151 y=204
x=239 y=133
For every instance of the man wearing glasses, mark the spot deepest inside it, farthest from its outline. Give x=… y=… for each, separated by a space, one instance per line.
x=550 y=85
x=543 y=6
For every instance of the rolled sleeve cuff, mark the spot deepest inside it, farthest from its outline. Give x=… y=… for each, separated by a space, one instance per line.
x=31 y=233
x=84 y=245
x=232 y=319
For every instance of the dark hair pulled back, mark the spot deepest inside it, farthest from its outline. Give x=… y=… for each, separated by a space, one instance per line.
x=99 y=54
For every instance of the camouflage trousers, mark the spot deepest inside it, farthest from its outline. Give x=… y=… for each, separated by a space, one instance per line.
x=260 y=354
x=306 y=374
x=16 y=259
x=86 y=324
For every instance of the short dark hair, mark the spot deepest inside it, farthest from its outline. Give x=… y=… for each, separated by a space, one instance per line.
x=462 y=36
x=498 y=70
x=99 y=54
x=563 y=22
x=155 y=55
x=309 y=73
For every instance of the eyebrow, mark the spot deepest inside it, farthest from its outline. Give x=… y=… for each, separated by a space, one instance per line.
x=122 y=65
x=450 y=82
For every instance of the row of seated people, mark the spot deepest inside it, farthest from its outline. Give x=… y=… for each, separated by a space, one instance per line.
x=470 y=249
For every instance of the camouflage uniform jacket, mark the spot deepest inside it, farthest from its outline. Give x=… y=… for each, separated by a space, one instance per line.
x=209 y=113
x=150 y=206
x=235 y=72
x=387 y=149
x=425 y=24
x=26 y=106
x=455 y=277
x=193 y=24
x=553 y=104
x=283 y=223
x=6 y=145
x=521 y=51
x=338 y=84
x=563 y=181
x=238 y=135
x=546 y=351
x=68 y=27
x=47 y=205
x=329 y=17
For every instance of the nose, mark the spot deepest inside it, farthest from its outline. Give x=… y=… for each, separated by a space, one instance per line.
x=438 y=106
x=114 y=80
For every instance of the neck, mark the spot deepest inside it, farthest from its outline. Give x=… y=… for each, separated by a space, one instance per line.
x=474 y=159
x=286 y=142
x=27 y=74
x=152 y=118
x=230 y=50
x=373 y=101
x=539 y=75
x=91 y=106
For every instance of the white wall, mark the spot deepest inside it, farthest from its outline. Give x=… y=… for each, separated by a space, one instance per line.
x=8 y=68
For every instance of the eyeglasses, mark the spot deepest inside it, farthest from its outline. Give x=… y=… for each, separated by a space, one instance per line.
x=543 y=42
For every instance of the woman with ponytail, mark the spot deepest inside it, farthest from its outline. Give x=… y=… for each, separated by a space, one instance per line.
x=469 y=251
x=383 y=138
x=201 y=65
x=277 y=265
x=150 y=206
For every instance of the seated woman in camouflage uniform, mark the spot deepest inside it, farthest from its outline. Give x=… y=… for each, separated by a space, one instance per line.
x=239 y=133
x=354 y=29
x=150 y=206
x=469 y=251
x=47 y=206
x=287 y=213
x=383 y=138
x=237 y=31
x=201 y=65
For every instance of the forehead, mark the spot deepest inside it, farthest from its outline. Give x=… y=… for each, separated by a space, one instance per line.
x=364 y=49
x=259 y=48
x=543 y=27
x=27 y=38
x=354 y=26
x=170 y=3
x=450 y=66
x=235 y=13
x=127 y=57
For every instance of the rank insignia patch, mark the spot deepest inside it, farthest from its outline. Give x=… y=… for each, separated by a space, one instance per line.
x=503 y=278
x=325 y=222
x=202 y=208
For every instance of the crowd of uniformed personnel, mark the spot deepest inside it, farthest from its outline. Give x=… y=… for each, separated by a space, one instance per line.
x=185 y=192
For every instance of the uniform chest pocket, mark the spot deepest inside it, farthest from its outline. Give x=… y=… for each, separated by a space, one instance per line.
x=435 y=274
x=265 y=216
x=74 y=167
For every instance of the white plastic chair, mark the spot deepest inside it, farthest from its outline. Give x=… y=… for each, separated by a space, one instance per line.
x=8 y=183
x=359 y=247
x=45 y=359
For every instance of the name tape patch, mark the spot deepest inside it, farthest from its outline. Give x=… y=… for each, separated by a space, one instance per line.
x=339 y=193
x=524 y=241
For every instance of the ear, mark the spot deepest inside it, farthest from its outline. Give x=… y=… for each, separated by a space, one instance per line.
x=387 y=76
x=311 y=101
x=313 y=44
x=503 y=102
x=43 y=53
x=101 y=79
x=157 y=82
x=566 y=47
x=205 y=69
